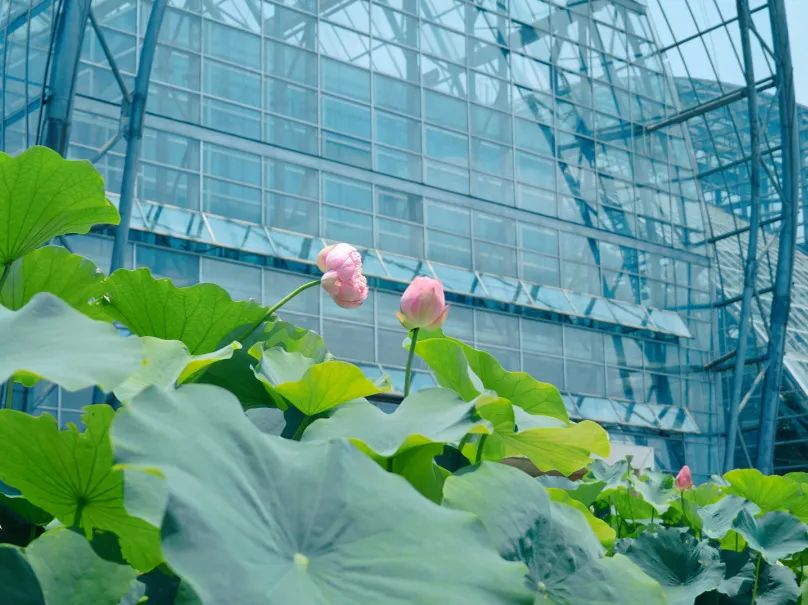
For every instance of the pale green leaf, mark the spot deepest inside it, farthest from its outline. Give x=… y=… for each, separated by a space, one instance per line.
x=254 y=518
x=49 y=339
x=775 y=535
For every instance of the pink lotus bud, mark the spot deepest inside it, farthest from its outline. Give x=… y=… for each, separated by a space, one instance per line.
x=683 y=480
x=423 y=304
x=343 y=279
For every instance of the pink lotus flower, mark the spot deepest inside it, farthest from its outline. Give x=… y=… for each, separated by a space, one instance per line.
x=342 y=277
x=423 y=304
x=684 y=481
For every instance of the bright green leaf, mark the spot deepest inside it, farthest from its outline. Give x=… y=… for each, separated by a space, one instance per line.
x=565 y=561
x=73 y=278
x=467 y=371
x=203 y=316
x=604 y=533
x=69 y=474
x=254 y=518
x=48 y=339
x=43 y=195
x=61 y=568
x=656 y=489
x=683 y=566
x=769 y=492
x=775 y=535
x=311 y=387
x=564 y=449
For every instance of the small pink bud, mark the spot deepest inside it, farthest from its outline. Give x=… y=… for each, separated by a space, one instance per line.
x=343 y=279
x=423 y=304
x=683 y=480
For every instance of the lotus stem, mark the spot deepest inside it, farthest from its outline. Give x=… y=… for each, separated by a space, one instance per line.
x=278 y=305
x=301 y=427
x=408 y=371
x=480 y=446
x=757 y=577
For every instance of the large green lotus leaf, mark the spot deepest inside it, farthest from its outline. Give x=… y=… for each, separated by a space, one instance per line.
x=602 y=530
x=776 y=584
x=43 y=195
x=70 y=475
x=656 y=489
x=73 y=278
x=769 y=492
x=468 y=371
x=254 y=518
x=167 y=362
x=717 y=518
x=775 y=535
x=611 y=475
x=683 y=566
x=289 y=337
x=566 y=562
x=565 y=449
x=61 y=568
x=417 y=465
x=312 y=387
x=49 y=339
x=203 y=316
x=428 y=416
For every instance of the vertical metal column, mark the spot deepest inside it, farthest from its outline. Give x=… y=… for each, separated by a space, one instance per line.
x=66 y=53
x=133 y=132
x=781 y=301
x=750 y=268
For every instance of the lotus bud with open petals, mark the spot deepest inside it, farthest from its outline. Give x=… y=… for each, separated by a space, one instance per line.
x=423 y=304
x=343 y=279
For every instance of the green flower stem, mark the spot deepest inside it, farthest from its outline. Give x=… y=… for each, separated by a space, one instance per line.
x=757 y=577
x=9 y=400
x=301 y=427
x=480 y=447
x=408 y=371
x=278 y=305
x=4 y=275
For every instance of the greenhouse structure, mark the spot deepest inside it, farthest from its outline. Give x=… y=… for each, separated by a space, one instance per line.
x=610 y=190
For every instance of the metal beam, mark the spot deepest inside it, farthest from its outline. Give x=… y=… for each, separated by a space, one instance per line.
x=738 y=231
x=66 y=53
x=750 y=266
x=781 y=301
x=740 y=297
x=711 y=105
x=133 y=132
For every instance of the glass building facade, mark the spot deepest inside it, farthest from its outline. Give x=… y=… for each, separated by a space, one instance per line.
x=501 y=146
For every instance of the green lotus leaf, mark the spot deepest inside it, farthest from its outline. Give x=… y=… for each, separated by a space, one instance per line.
x=776 y=584
x=61 y=568
x=602 y=530
x=769 y=492
x=267 y=420
x=43 y=195
x=291 y=338
x=628 y=504
x=468 y=371
x=565 y=561
x=565 y=449
x=311 y=387
x=203 y=316
x=656 y=489
x=717 y=518
x=683 y=566
x=12 y=500
x=428 y=416
x=49 y=339
x=254 y=518
x=611 y=475
x=775 y=535
x=70 y=475
x=73 y=278
x=168 y=362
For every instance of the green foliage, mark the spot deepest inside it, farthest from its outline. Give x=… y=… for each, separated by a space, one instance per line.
x=203 y=316
x=49 y=339
x=347 y=515
x=70 y=475
x=275 y=481
x=42 y=196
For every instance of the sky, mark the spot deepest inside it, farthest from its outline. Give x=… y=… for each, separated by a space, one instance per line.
x=797 y=12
